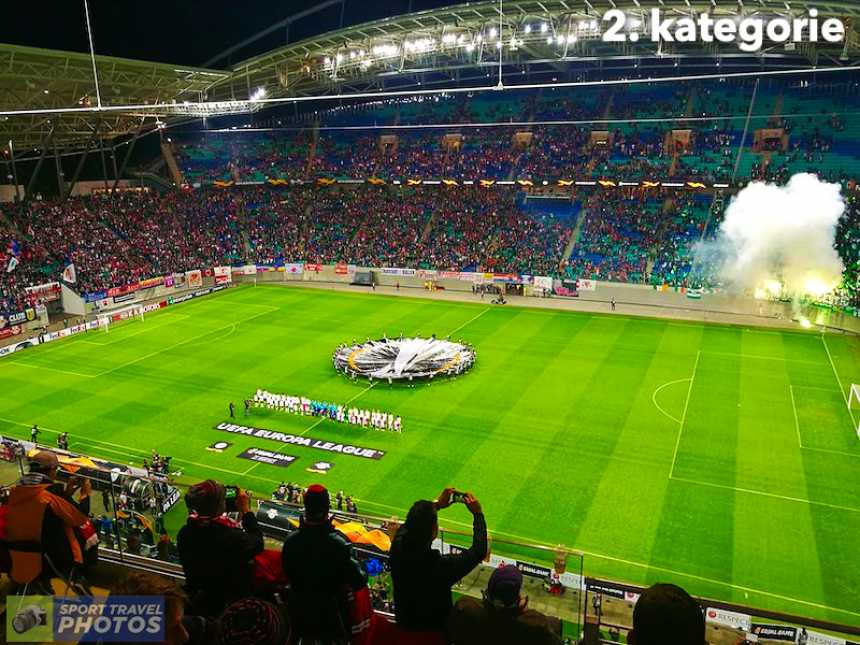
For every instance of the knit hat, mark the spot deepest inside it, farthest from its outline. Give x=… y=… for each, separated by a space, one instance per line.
x=253 y=622
x=206 y=498
x=504 y=585
x=317 y=501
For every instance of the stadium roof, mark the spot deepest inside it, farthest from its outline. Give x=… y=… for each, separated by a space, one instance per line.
x=43 y=79
x=539 y=41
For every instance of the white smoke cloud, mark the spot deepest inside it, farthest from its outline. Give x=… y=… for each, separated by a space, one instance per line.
x=781 y=234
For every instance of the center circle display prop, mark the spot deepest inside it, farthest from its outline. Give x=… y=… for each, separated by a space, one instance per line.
x=404 y=359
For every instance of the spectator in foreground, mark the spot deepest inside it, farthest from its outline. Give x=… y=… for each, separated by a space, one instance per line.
x=665 y=614
x=422 y=576
x=217 y=554
x=502 y=618
x=317 y=560
x=253 y=622
x=44 y=520
x=179 y=628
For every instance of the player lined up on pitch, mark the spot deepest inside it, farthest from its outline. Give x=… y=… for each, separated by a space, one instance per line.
x=336 y=412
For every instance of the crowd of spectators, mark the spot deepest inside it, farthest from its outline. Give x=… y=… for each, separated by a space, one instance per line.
x=625 y=235
x=313 y=588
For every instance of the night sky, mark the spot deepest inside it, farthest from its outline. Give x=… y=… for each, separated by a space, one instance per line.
x=186 y=32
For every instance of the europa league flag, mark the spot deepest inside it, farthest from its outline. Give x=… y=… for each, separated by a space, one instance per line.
x=70 y=275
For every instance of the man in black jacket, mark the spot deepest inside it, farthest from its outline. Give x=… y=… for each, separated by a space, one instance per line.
x=318 y=562
x=422 y=576
x=216 y=553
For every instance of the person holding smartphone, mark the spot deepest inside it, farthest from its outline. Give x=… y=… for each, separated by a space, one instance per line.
x=422 y=576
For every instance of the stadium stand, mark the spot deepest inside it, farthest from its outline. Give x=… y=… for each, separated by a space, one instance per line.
x=513 y=599
x=622 y=234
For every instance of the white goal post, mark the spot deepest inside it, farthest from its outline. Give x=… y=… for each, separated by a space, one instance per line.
x=108 y=318
x=854 y=398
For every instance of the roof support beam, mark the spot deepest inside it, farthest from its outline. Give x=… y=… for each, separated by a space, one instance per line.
x=127 y=155
x=46 y=142
x=93 y=139
x=271 y=29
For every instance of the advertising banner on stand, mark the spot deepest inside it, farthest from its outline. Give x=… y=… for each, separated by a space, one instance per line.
x=151 y=282
x=223 y=275
x=730 y=618
x=294 y=268
x=122 y=290
x=194 y=278
x=48 y=292
x=543 y=282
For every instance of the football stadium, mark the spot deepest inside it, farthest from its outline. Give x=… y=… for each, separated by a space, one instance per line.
x=516 y=321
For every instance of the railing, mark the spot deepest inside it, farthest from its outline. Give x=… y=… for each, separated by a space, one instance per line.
x=553 y=577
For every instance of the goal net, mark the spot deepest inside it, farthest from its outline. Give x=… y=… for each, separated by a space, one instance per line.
x=854 y=402
x=109 y=318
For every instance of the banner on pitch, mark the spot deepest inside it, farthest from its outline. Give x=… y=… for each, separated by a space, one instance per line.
x=298 y=440
x=270 y=457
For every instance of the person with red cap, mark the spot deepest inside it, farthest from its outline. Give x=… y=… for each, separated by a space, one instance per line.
x=217 y=554
x=318 y=561
x=503 y=617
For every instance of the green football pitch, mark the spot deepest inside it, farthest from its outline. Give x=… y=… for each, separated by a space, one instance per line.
x=719 y=457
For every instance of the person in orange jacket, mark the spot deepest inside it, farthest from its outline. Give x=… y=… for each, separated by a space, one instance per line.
x=42 y=519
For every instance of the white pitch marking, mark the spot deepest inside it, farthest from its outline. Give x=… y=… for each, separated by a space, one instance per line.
x=684 y=415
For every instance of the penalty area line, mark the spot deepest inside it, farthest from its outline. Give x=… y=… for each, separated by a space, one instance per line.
x=657 y=405
x=684 y=414
x=751 y=491
x=471 y=320
x=643 y=565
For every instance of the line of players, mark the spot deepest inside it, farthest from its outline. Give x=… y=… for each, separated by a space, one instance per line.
x=341 y=414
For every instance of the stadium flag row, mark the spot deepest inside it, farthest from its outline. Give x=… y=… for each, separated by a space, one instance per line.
x=484 y=183
x=186 y=280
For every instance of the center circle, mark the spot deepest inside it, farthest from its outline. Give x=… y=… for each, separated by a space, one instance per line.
x=404 y=359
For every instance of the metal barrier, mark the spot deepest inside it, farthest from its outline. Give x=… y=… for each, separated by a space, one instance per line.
x=128 y=506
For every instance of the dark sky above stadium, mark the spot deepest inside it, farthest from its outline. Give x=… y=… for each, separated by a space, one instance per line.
x=180 y=31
